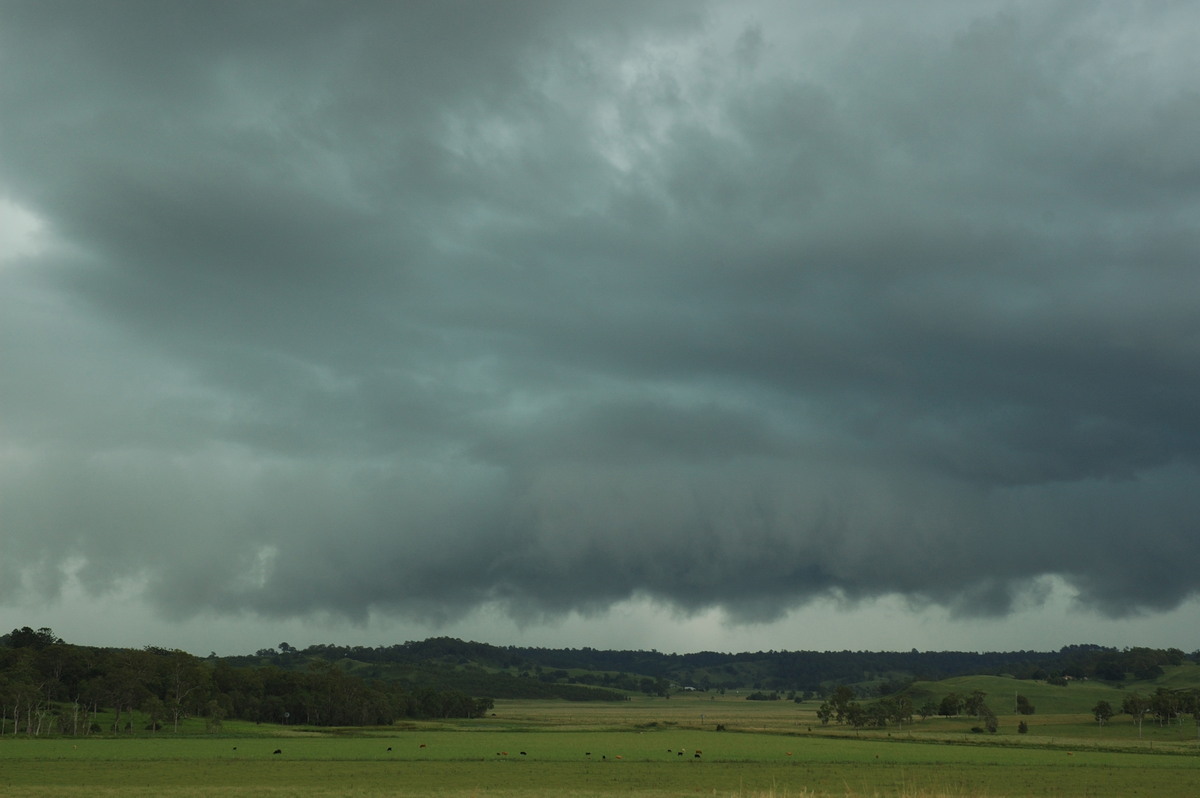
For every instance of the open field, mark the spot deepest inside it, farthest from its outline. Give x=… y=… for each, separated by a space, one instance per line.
x=646 y=747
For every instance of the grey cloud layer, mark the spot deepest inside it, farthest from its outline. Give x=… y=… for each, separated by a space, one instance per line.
x=353 y=307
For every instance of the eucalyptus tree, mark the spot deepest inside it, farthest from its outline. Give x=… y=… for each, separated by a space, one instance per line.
x=1136 y=705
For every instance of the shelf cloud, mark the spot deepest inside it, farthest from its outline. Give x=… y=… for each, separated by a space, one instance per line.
x=358 y=308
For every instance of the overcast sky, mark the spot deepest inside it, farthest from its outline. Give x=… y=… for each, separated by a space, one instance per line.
x=685 y=326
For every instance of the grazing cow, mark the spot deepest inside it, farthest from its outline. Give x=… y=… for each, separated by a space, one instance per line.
x=524 y=754
x=680 y=753
x=277 y=751
x=422 y=745
x=696 y=755
x=389 y=748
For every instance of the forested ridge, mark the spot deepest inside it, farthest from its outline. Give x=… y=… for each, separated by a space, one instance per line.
x=50 y=686
x=815 y=672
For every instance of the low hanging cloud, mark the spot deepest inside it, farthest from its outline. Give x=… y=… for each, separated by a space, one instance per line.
x=365 y=308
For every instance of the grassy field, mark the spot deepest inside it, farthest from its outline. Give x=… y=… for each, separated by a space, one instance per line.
x=645 y=747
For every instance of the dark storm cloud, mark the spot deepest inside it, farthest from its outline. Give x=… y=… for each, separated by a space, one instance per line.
x=409 y=308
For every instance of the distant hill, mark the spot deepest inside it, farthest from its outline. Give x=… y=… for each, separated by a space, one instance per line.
x=511 y=670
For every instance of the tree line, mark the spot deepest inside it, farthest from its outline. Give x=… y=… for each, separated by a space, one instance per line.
x=49 y=686
x=1164 y=706
x=780 y=671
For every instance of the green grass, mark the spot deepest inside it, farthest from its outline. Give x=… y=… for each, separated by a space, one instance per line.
x=770 y=749
x=459 y=763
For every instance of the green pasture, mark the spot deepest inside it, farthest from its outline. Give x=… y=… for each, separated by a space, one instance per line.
x=1058 y=721
x=1049 y=699
x=642 y=763
x=645 y=747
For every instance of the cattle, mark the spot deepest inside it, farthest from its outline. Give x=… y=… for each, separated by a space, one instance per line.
x=277 y=751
